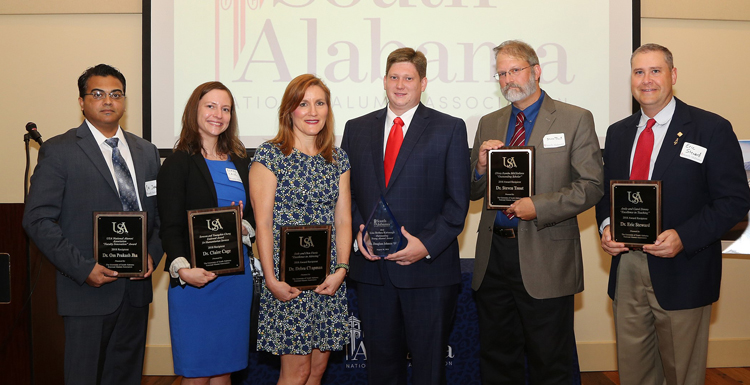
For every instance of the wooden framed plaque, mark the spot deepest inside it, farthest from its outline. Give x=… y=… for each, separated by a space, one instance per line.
x=305 y=255
x=635 y=216
x=216 y=239
x=120 y=242
x=510 y=176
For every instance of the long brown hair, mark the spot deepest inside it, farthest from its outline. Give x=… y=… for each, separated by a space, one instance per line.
x=228 y=141
x=293 y=95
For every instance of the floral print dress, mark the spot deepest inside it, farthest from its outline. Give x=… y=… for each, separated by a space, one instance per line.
x=306 y=194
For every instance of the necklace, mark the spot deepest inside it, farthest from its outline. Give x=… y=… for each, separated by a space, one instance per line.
x=214 y=156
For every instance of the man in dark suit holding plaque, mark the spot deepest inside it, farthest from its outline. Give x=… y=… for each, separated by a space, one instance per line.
x=528 y=258
x=662 y=295
x=418 y=160
x=96 y=167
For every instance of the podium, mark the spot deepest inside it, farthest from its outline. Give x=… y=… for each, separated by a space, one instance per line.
x=34 y=353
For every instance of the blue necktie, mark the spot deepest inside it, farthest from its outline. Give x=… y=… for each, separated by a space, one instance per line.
x=124 y=180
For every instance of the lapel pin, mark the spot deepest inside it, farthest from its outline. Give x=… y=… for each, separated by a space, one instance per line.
x=679 y=135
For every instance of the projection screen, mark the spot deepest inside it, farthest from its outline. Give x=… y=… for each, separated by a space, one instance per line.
x=256 y=47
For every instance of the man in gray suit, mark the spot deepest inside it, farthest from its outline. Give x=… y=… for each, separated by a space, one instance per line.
x=528 y=258
x=96 y=167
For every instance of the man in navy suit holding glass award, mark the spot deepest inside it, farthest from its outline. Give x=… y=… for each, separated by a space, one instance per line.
x=412 y=163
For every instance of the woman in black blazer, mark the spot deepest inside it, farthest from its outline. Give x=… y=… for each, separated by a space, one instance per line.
x=209 y=315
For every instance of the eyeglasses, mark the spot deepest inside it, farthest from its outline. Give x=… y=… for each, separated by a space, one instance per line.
x=99 y=95
x=511 y=72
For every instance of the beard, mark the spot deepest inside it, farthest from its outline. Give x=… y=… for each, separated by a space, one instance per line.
x=514 y=92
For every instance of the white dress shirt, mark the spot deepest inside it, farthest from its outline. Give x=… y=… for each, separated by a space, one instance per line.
x=106 y=150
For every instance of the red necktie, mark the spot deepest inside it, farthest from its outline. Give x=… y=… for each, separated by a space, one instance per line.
x=395 y=138
x=518 y=139
x=643 y=150
x=519 y=135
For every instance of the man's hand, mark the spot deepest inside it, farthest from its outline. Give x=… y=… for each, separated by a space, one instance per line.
x=413 y=252
x=150 y=266
x=363 y=247
x=100 y=275
x=609 y=246
x=196 y=276
x=667 y=245
x=523 y=209
x=483 y=150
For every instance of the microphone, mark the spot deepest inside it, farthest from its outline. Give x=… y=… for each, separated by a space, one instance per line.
x=31 y=128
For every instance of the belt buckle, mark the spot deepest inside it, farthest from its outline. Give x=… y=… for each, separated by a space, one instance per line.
x=505 y=232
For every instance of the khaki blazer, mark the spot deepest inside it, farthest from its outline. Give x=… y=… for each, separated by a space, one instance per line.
x=568 y=181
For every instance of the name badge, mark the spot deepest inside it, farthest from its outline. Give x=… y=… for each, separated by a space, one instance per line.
x=150 y=188
x=554 y=140
x=693 y=152
x=233 y=175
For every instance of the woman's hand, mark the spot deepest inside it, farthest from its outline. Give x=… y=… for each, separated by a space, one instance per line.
x=281 y=290
x=197 y=276
x=332 y=283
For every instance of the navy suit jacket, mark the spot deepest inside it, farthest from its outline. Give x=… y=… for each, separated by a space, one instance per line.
x=428 y=193
x=701 y=201
x=70 y=182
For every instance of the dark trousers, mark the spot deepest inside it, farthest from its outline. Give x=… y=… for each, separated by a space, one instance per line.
x=106 y=349
x=514 y=327
x=395 y=320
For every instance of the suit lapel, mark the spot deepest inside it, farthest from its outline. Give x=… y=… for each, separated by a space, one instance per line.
x=501 y=131
x=89 y=146
x=377 y=135
x=627 y=140
x=417 y=126
x=544 y=120
x=200 y=162
x=139 y=162
x=668 y=151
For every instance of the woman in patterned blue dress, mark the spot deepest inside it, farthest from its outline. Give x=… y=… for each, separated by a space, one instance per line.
x=300 y=178
x=209 y=315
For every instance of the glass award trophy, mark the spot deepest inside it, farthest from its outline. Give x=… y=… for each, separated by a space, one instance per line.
x=382 y=234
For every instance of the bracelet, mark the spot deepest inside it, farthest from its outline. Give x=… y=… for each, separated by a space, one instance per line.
x=344 y=266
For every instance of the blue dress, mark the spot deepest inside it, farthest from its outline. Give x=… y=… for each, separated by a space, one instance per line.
x=306 y=194
x=210 y=326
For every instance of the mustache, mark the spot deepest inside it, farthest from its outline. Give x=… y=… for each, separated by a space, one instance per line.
x=511 y=85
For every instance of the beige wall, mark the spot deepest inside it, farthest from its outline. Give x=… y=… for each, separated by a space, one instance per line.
x=47 y=44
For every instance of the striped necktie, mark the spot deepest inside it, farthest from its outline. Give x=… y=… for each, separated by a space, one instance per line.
x=124 y=181
x=519 y=139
